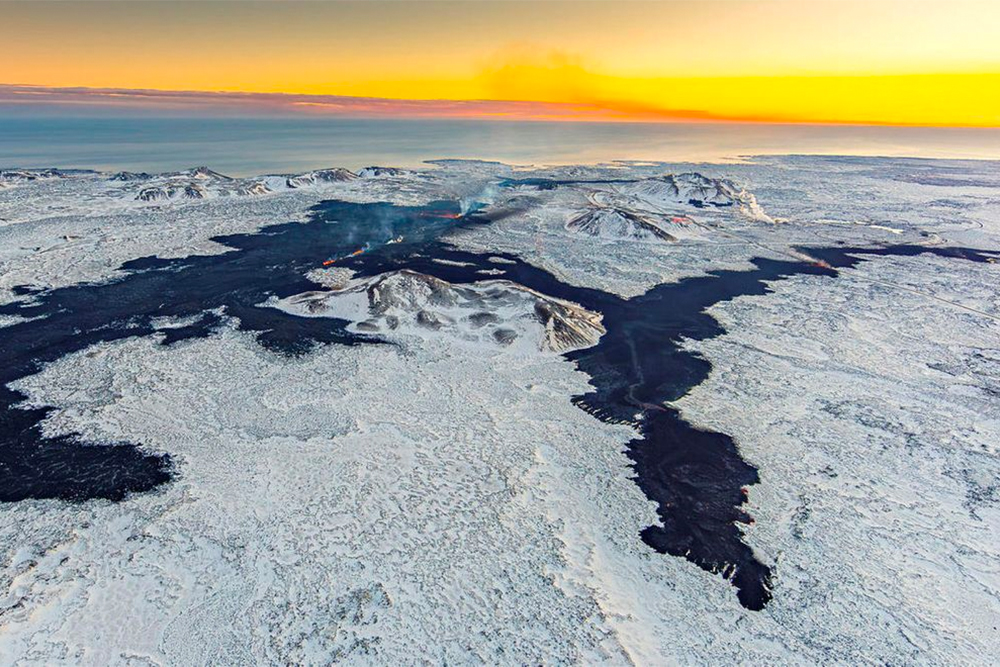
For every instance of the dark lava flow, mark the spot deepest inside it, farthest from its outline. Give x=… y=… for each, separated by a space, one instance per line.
x=696 y=477
x=70 y=319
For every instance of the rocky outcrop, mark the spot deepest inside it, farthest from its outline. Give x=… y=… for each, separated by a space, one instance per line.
x=202 y=174
x=380 y=172
x=689 y=188
x=130 y=176
x=319 y=177
x=11 y=176
x=194 y=184
x=695 y=190
x=494 y=312
x=616 y=223
x=170 y=191
x=256 y=188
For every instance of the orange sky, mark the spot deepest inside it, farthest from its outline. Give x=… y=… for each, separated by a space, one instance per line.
x=879 y=61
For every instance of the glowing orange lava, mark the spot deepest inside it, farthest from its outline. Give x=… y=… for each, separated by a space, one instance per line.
x=441 y=214
x=348 y=256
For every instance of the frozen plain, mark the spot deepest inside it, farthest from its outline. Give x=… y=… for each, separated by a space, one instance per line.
x=442 y=500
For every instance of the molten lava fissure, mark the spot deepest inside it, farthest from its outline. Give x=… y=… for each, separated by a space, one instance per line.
x=357 y=252
x=441 y=214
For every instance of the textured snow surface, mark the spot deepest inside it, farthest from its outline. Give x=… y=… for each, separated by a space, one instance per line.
x=327 y=512
x=438 y=499
x=880 y=492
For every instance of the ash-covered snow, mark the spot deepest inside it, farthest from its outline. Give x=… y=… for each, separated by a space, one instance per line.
x=439 y=499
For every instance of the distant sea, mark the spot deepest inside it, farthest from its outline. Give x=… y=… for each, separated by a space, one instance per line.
x=250 y=146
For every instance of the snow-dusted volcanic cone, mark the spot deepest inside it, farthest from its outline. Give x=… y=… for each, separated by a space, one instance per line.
x=616 y=223
x=493 y=311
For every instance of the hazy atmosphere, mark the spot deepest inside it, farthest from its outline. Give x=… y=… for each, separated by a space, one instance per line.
x=928 y=62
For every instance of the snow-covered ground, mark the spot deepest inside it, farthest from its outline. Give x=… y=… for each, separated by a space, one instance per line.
x=874 y=417
x=441 y=500
x=81 y=226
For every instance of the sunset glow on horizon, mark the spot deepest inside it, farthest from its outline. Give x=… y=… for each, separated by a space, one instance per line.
x=827 y=61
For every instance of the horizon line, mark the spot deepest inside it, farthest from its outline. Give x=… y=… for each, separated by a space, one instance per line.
x=252 y=103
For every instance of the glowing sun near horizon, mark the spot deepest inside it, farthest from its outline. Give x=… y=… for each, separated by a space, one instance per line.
x=883 y=62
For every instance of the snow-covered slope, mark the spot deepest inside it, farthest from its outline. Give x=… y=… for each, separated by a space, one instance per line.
x=696 y=190
x=380 y=172
x=495 y=312
x=616 y=223
x=319 y=177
